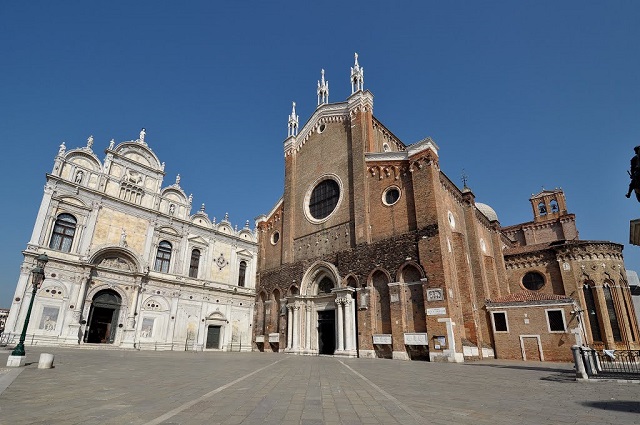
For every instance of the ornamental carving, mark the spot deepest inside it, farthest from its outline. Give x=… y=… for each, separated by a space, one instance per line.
x=221 y=262
x=117 y=263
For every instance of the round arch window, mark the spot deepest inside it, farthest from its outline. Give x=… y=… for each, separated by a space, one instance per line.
x=391 y=195
x=323 y=199
x=533 y=281
x=275 y=237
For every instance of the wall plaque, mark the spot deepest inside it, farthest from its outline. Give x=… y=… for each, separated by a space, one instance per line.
x=435 y=295
x=382 y=339
x=440 y=311
x=416 y=339
x=274 y=337
x=259 y=338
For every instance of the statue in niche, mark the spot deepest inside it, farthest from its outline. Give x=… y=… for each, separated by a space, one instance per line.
x=79 y=175
x=123 y=238
x=172 y=209
x=49 y=325
x=634 y=174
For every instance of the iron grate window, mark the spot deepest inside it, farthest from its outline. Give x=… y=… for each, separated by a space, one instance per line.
x=242 y=270
x=556 y=321
x=500 y=322
x=324 y=199
x=533 y=281
x=63 y=232
x=195 y=262
x=163 y=257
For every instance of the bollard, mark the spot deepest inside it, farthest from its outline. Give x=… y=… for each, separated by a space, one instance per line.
x=46 y=361
x=581 y=373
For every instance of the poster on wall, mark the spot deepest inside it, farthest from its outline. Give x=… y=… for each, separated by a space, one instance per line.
x=49 y=318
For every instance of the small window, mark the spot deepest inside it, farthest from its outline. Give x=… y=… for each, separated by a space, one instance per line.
x=533 y=281
x=500 y=321
x=555 y=319
x=242 y=271
x=275 y=237
x=63 y=232
x=391 y=195
x=195 y=262
x=163 y=257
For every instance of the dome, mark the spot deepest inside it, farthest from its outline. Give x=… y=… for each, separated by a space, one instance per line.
x=487 y=211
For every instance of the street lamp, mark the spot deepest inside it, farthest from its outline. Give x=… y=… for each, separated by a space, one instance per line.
x=36 y=281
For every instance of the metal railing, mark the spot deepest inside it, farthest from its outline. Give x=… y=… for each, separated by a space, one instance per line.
x=606 y=364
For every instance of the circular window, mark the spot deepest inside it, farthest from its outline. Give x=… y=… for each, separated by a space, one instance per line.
x=391 y=195
x=323 y=199
x=275 y=237
x=452 y=220
x=533 y=281
x=321 y=128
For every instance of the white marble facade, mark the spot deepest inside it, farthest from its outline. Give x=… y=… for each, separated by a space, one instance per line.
x=129 y=264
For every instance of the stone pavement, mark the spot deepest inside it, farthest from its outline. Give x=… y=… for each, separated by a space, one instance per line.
x=139 y=387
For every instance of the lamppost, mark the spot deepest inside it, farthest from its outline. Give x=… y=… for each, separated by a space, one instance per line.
x=36 y=281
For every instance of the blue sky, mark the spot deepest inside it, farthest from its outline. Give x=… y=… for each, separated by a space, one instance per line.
x=521 y=95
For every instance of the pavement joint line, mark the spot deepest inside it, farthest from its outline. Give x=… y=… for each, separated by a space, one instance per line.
x=8 y=377
x=402 y=406
x=191 y=403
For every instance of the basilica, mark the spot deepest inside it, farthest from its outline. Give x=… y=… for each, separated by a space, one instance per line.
x=372 y=251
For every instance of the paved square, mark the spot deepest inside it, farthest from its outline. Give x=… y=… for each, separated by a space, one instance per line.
x=131 y=387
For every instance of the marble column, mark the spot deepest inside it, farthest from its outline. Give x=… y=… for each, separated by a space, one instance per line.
x=307 y=330
x=289 y=327
x=340 y=307
x=296 y=327
x=348 y=326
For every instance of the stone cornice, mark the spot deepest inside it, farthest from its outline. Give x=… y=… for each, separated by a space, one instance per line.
x=377 y=125
x=450 y=187
x=332 y=112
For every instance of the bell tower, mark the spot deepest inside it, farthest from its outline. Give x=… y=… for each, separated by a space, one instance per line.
x=548 y=205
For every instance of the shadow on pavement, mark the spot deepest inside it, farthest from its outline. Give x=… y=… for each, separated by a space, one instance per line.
x=522 y=367
x=616 y=405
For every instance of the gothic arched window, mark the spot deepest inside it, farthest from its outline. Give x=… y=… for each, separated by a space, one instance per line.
x=194 y=263
x=592 y=312
x=613 y=316
x=325 y=286
x=163 y=257
x=242 y=271
x=63 y=232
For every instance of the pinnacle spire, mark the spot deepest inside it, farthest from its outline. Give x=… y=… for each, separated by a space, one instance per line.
x=323 y=90
x=357 y=76
x=293 y=122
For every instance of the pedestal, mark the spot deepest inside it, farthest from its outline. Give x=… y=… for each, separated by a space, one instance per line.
x=15 y=361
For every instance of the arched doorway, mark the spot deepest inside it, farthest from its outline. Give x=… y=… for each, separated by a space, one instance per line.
x=103 y=317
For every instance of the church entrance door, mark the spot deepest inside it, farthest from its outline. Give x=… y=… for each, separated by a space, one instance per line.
x=213 y=337
x=103 y=318
x=326 y=331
